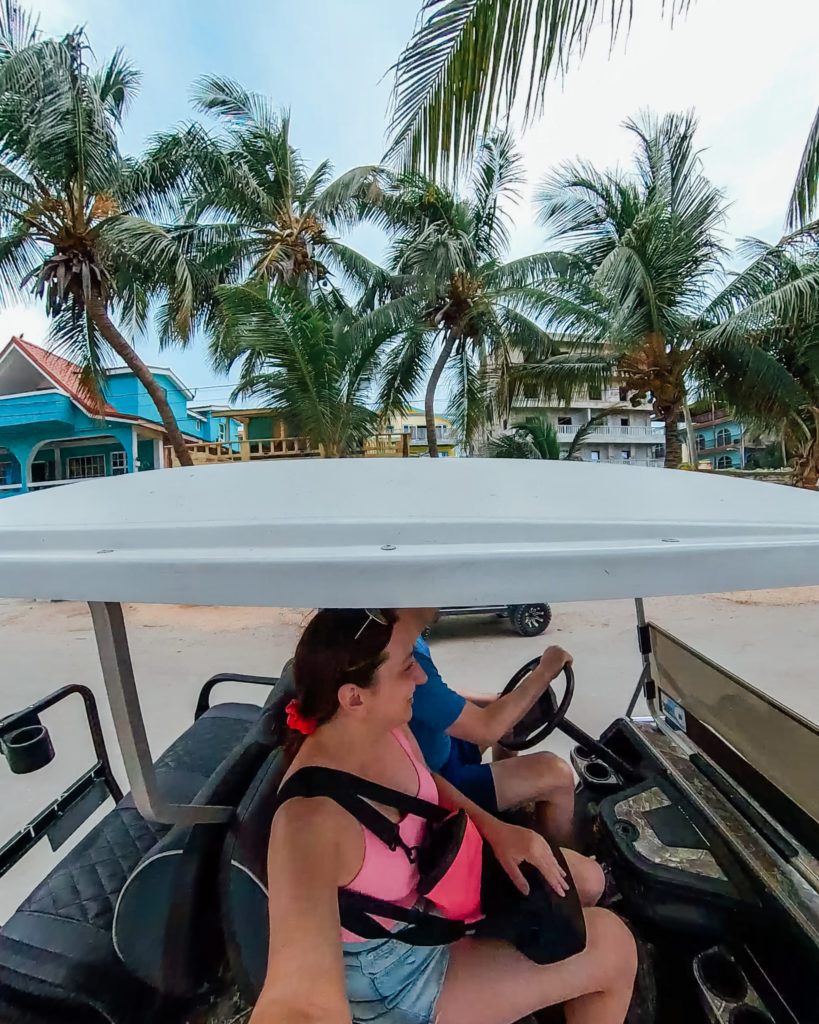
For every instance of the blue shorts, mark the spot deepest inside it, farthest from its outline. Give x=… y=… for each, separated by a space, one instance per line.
x=466 y=771
x=389 y=982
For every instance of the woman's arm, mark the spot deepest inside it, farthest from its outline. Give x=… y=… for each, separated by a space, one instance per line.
x=312 y=852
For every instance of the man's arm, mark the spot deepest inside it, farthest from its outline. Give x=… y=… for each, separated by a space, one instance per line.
x=485 y=725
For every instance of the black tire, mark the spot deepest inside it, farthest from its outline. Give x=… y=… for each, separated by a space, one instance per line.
x=530 y=619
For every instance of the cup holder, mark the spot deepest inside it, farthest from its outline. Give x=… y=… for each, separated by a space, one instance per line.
x=596 y=771
x=583 y=753
x=724 y=979
x=28 y=748
x=749 y=1015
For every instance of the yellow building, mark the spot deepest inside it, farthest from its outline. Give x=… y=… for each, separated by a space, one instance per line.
x=412 y=423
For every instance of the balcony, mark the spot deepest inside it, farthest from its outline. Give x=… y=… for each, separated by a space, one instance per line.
x=39 y=407
x=645 y=463
x=208 y=452
x=606 y=433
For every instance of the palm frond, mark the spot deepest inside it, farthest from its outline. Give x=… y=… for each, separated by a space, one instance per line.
x=802 y=205
x=462 y=69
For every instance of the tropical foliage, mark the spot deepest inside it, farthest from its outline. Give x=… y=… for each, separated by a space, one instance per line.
x=643 y=253
x=469 y=60
x=461 y=311
x=71 y=227
x=537 y=438
x=311 y=358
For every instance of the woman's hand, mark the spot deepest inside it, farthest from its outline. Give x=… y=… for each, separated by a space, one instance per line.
x=512 y=845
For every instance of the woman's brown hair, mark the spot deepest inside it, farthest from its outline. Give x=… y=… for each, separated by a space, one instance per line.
x=338 y=646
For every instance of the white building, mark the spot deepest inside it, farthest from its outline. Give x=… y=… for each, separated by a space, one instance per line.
x=626 y=436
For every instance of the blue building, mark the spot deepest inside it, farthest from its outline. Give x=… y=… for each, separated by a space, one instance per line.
x=721 y=441
x=52 y=432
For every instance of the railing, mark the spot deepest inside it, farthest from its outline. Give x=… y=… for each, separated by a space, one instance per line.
x=387 y=446
x=644 y=433
x=712 y=446
x=206 y=452
x=650 y=463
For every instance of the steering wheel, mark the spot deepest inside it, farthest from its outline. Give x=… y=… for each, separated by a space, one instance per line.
x=544 y=716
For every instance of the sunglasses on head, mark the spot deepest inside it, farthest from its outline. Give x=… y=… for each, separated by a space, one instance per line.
x=373 y=615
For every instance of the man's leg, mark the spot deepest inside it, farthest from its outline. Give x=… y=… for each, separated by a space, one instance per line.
x=549 y=781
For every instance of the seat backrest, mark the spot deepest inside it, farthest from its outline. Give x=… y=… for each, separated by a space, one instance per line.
x=166 y=922
x=243 y=870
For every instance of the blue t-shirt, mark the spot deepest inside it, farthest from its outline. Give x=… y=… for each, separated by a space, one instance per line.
x=434 y=708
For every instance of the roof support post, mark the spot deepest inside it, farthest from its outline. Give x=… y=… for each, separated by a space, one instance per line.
x=645 y=683
x=120 y=685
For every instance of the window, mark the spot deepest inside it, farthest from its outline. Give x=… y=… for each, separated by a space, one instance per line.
x=625 y=454
x=624 y=421
x=222 y=430
x=82 y=466
x=389 y=428
x=564 y=421
x=724 y=462
x=623 y=392
x=119 y=464
x=594 y=456
x=723 y=437
x=407 y=428
x=5 y=473
x=595 y=394
x=700 y=443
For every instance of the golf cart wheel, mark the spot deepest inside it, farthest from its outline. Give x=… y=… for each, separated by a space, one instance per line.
x=530 y=619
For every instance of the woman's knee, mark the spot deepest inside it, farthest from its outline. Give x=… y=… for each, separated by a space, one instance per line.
x=611 y=947
x=587 y=876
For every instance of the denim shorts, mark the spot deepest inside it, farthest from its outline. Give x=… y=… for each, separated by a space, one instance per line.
x=391 y=982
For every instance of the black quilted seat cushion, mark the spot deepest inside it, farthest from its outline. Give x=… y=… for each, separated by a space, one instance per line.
x=85 y=885
x=79 y=895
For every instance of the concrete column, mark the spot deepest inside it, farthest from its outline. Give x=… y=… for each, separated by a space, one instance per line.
x=58 y=463
x=159 y=459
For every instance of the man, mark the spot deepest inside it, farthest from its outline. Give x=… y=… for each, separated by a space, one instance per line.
x=452 y=732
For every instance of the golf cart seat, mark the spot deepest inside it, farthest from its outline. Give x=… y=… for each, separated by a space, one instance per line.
x=243 y=868
x=60 y=944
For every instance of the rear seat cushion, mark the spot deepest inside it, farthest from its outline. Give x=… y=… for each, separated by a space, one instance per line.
x=79 y=895
x=166 y=927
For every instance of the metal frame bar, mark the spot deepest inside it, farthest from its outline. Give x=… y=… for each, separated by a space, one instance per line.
x=203 y=703
x=103 y=766
x=118 y=675
x=645 y=684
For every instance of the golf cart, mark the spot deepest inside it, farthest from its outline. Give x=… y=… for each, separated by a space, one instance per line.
x=705 y=811
x=526 y=619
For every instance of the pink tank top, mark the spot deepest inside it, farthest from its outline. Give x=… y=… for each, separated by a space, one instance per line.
x=387 y=873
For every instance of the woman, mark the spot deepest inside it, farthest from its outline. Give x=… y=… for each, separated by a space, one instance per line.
x=355 y=675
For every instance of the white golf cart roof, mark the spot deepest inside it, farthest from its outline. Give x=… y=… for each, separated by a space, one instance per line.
x=404 y=532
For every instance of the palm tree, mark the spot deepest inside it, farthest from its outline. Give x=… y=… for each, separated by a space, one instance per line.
x=456 y=305
x=643 y=251
x=69 y=202
x=536 y=438
x=762 y=356
x=249 y=202
x=312 y=358
x=469 y=60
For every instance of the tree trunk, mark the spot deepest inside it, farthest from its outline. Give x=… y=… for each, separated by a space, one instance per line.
x=692 y=441
x=429 y=400
x=673 y=445
x=107 y=328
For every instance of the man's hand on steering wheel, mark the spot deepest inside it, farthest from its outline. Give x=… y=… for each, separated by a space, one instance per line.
x=552 y=662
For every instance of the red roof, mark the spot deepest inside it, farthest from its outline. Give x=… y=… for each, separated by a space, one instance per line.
x=66 y=375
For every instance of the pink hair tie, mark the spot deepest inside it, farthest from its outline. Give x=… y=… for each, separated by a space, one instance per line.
x=296 y=721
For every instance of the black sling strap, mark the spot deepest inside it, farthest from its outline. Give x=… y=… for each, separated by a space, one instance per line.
x=353 y=793
x=356 y=909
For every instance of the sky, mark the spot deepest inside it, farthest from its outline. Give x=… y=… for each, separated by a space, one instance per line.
x=747 y=67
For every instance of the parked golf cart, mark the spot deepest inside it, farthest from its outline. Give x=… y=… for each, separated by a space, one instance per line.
x=526 y=619
x=705 y=811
